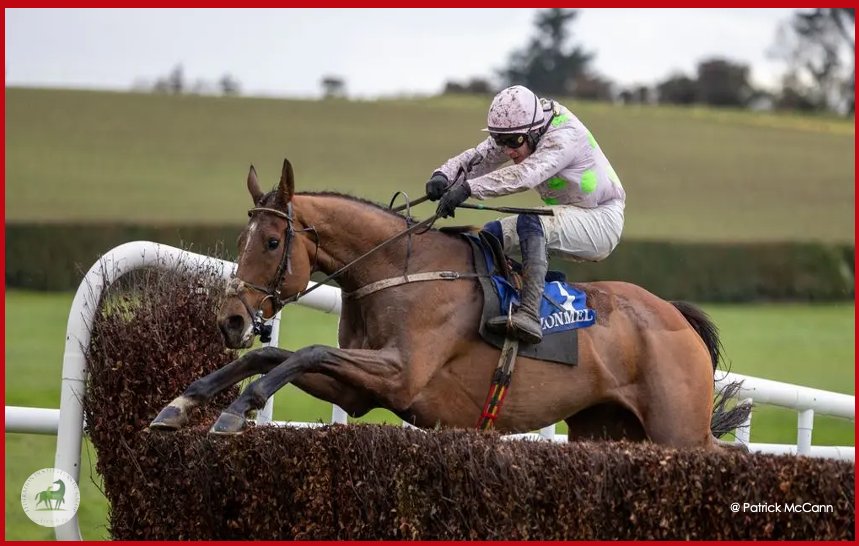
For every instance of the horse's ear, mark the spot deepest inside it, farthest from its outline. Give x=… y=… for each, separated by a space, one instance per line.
x=287 y=183
x=253 y=185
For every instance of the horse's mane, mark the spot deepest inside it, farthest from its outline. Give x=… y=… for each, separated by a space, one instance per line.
x=268 y=198
x=348 y=197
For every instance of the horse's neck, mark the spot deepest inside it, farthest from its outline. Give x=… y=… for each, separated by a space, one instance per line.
x=347 y=231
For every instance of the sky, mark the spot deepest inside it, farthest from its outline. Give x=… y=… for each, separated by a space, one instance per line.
x=377 y=52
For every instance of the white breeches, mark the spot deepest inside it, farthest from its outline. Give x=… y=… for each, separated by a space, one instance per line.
x=573 y=232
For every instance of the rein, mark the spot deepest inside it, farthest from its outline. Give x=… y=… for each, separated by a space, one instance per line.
x=236 y=286
x=417 y=227
x=508 y=210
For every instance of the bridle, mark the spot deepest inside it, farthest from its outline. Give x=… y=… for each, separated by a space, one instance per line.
x=236 y=286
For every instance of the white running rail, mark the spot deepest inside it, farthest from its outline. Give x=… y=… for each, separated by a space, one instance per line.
x=67 y=423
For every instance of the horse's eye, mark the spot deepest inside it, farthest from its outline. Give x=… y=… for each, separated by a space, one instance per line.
x=272 y=243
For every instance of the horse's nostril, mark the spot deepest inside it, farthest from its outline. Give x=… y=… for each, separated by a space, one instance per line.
x=235 y=322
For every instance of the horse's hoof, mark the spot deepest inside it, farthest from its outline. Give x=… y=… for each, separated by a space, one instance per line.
x=171 y=418
x=229 y=424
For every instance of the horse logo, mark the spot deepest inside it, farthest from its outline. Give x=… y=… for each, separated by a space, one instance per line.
x=50 y=497
x=564 y=314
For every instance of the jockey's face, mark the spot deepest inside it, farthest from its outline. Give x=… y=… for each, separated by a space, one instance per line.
x=519 y=154
x=514 y=145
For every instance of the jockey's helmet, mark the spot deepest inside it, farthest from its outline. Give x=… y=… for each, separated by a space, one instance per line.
x=514 y=110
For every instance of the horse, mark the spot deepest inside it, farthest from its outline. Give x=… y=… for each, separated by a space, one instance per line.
x=49 y=495
x=409 y=343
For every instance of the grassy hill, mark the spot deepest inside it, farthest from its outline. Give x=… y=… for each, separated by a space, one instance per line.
x=689 y=173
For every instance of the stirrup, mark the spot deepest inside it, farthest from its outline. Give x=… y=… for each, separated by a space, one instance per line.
x=504 y=328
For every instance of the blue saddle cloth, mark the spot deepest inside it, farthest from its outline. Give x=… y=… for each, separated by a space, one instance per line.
x=564 y=307
x=563 y=316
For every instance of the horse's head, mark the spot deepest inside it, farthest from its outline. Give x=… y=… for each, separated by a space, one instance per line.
x=273 y=264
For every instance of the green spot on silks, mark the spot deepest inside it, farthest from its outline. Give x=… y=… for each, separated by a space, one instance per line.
x=589 y=181
x=557 y=120
x=556 y=182
x=592 y=140
x=550 y=201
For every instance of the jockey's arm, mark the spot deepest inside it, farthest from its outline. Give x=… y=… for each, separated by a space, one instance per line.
x=555 y=151
x=489 y=154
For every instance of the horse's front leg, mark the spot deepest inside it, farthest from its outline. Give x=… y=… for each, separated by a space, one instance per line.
x=377 y=372
x=259 y=361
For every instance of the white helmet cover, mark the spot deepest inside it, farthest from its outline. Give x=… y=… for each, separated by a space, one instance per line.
x=514 y=110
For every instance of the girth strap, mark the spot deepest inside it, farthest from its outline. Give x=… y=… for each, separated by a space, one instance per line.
x=405 y=279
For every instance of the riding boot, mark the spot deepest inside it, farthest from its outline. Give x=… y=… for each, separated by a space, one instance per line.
x=525 y=321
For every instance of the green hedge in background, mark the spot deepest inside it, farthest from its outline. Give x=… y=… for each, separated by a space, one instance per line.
x=720 y=272
x=56 y=256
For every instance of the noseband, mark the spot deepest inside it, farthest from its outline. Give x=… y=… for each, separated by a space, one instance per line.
x=236 y=286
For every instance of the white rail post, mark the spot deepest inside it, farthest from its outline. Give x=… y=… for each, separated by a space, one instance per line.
x=264 y=416
x=548 y=432
x=805 y=422
x=25 y=420
x=118 y=261
x=338 y=414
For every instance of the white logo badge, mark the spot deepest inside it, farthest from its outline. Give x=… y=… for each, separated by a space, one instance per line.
x=50 y=497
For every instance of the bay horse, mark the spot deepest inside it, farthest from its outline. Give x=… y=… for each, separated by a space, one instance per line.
x=645 y=369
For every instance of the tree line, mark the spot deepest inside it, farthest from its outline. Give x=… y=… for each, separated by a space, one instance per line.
x=176 y=83
x=815 y=47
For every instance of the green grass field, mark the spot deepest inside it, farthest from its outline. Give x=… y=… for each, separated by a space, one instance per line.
x=689 y=173
x=803 y=344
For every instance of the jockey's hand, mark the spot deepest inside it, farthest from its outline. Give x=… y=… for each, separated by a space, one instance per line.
x=455 y=196
x=437 y=185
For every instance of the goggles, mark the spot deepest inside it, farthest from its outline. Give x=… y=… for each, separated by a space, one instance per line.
x=508 y=140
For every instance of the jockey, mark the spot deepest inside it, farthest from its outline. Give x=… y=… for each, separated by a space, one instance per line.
x=554 y=154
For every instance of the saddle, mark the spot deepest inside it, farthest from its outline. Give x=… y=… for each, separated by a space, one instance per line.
x=562 y=312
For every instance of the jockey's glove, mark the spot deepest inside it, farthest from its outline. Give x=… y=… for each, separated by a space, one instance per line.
x=437 y=185
x=455 y=196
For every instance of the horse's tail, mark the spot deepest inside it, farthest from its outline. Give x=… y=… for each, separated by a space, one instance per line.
x=724 y=420
x=705 y=327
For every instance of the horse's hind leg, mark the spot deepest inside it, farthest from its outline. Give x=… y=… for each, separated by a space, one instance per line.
x=677 y=384
x=679 y=423
x=175 y=415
